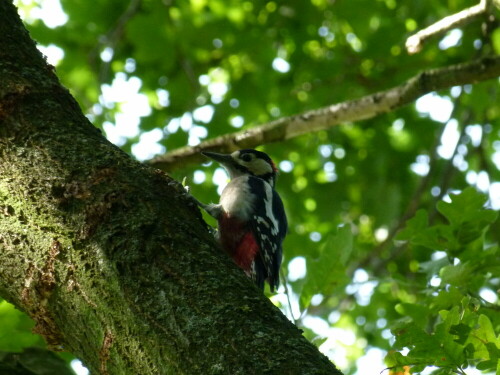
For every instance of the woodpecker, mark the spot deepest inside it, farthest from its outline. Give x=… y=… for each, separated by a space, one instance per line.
x=250 y=214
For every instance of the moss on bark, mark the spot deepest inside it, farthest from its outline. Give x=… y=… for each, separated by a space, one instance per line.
x=108 y=256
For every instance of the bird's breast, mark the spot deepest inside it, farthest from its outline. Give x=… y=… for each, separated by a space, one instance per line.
x=237 y=200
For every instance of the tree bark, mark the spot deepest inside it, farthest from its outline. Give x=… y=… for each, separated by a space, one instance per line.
x=108 y=256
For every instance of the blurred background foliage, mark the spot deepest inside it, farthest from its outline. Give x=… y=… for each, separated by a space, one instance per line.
x=158 y=75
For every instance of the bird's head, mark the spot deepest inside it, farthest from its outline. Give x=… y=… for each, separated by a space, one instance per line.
x=247 y=162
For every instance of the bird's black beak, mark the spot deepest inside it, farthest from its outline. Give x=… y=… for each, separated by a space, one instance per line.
x=224 y=159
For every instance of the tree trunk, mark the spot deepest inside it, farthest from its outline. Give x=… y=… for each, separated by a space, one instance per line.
x=108 y=256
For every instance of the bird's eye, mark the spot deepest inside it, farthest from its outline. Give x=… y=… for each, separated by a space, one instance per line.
x=246 y=157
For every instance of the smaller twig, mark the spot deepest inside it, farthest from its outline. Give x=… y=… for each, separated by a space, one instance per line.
x=287 y=294
x=111 y=38
x=415 y=42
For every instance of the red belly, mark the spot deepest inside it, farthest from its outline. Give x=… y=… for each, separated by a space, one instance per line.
x=238 y=241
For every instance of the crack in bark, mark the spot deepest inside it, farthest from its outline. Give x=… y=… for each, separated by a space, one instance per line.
x=39 y=285
x=104 y=353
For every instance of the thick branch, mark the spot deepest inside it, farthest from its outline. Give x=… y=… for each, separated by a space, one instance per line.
x=348 y=111
x=107 y=255
x=415 y=42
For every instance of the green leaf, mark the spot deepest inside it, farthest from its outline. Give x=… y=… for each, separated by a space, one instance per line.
x=458 y=275
x=417 y=231
x=486 y=332
x=493 y=350
x=441 y=348
x=414 y=226
x=34 y=361
x=418 y=313
x=462 y=331
x=439 y=237
x=446 y=298
x=487 y=365
x=328 y=270
x=452 y=353
x=16 y=334
x=495 y=38
x=467 y=215
x=394 y=358
x=408 y=334
x=463 y=206
x=432 y=267
x=146 y=35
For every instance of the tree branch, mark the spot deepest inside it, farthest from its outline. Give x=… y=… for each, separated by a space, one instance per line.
x=414 y=205
x=111 y=39
x=108 y=256
x=415 y=42
x=352 y=110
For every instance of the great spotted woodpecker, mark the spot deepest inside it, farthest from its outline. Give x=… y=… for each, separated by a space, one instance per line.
x=250 y=214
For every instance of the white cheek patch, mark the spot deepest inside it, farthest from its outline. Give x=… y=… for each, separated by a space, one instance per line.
x=259 y=167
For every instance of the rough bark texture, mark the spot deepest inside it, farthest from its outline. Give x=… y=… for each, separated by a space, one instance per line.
x=107 y=255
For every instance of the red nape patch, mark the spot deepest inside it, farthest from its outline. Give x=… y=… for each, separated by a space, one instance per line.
x=274 y=167
x=238 y=241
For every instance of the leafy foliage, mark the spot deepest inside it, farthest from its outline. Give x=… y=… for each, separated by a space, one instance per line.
x=33 y=361
x=16 y=329
x=449 y=326
x=327 y=270
x=21 y=351
x=204 y=68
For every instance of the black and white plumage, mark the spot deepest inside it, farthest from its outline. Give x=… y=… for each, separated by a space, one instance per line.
x=250 y=214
